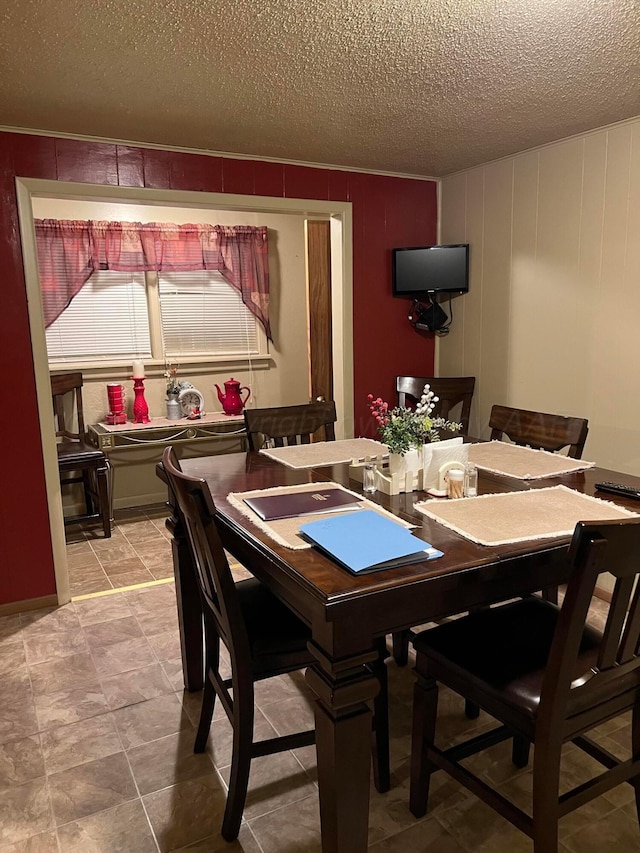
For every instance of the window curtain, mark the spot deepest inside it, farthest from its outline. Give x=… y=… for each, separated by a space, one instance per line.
x=239 y=253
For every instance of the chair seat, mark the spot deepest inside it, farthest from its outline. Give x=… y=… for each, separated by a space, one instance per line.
x=497 y=651
x=275 y=632
x=78 y=453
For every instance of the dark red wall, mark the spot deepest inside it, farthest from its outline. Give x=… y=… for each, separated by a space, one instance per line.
x=387 y=212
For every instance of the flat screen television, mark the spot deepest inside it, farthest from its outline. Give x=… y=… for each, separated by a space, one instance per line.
x=418 y=271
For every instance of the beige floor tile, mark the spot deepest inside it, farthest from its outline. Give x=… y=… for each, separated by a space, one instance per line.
x=166 y=646
x=44 y=842
x=17 y=718
x=21 y=761
x=103 y=609
x=119 y=630
x=69 y=673
x=90 y=788
x=245 y=843
x=129 y=688
x=616 y=831
x=124 y=829
x=43 y=647
x=167 y=761
x=186 y=812
x=98 y=582
x=79 y=743
x=123 y=657
x=49 y=621
x=150 y=720
x=69 y=706
x=292 y=829
x=126 y=579
x=120 y=566
x=161 y=620
x=25 y=810
x=9 y=626
x=428 y=836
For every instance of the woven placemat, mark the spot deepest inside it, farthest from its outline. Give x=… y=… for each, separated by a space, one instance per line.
x=325 y=452
x=520 y=516
x=285 y=530
x=523 y=463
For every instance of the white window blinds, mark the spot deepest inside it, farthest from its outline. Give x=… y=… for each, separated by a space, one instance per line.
x=202 y=314
x=108 y=319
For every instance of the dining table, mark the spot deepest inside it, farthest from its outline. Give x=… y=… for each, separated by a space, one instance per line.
x=347 y=613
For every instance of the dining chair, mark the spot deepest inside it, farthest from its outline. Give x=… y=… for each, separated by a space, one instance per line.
x=539 y=430
x=451 y=390
x=290 y=424
x=548 y=676
x=79 y=461
x=264 y=639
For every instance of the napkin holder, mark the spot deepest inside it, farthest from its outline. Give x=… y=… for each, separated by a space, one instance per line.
x=438 y=459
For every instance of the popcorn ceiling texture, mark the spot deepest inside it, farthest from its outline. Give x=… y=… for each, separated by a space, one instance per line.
x=410 y=86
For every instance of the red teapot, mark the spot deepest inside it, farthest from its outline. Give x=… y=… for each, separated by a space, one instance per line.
x=231 y=400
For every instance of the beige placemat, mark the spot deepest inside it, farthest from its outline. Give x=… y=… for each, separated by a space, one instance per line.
x=285 y=530
x=325 y=452
x=523 y=463
x=520 y=516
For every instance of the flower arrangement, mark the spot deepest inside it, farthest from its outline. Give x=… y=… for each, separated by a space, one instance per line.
x=171 y=375
x=402 y=429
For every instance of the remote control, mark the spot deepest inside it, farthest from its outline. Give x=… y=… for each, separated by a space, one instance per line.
x=619 y=489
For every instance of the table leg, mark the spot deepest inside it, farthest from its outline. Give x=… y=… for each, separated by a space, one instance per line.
x=344 y=690
x=188 y=602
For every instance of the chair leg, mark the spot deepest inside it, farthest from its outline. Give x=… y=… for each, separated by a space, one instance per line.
x=240 y=761
x=471 y=710
x=546 y=782
x=102 y=487
x=401 y=647
x=520 y=751
x=380 y=734
x=550 y=593
x=425 y=709
x=212 y=642
x=206 y=715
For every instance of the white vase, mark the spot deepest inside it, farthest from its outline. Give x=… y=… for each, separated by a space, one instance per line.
x=408 y=467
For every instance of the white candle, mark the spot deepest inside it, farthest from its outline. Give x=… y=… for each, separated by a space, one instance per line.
x=138 y=369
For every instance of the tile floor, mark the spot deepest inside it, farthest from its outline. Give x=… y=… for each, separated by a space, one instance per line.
x=96 y=738
x=139 y=551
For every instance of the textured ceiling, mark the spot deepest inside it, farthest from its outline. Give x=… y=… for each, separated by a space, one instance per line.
x=411 y=86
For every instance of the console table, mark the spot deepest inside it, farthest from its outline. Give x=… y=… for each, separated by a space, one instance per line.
x=159 y=432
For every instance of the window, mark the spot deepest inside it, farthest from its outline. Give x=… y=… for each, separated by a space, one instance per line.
x=165 y=316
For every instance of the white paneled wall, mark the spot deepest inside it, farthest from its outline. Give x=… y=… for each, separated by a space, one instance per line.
x=552 y=318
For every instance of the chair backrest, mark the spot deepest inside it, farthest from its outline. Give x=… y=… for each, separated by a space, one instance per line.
x=613 y=676
x=450 y=389
x=539 y=430
x=290 y=424
x=61 y=385
x=217 y=587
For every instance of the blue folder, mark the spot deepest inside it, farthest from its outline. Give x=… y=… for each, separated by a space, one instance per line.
x=366 y=541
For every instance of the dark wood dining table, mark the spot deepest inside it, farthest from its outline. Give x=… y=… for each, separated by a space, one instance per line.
x=347 y=613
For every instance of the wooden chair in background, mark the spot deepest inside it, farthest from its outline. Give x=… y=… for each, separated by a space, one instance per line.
x=264 y=639
x=290 y=424
x=451 y=390
x=79 y=461
x=540 y=430
x=548 y=676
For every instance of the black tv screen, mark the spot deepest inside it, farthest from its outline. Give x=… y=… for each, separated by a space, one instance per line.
x=430 y=269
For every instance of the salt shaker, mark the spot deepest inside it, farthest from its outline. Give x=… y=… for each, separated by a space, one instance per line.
x=455 y=479
x=369 y=476
x=470 y=481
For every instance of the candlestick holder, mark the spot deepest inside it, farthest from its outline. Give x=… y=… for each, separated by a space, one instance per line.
x=140 y=408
